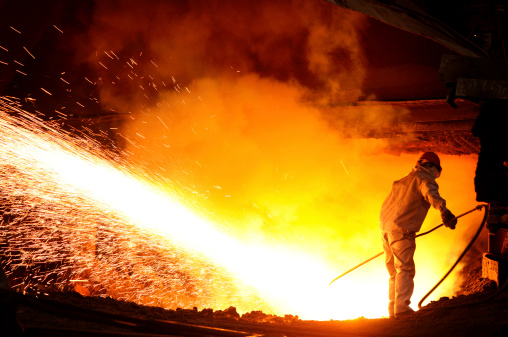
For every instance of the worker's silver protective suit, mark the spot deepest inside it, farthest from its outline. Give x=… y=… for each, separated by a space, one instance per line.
x=402 y=215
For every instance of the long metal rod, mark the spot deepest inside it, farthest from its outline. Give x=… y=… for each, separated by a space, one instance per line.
x=479 y=207
x=358 y=266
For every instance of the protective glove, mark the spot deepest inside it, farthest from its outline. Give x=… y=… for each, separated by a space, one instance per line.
x=449 y=219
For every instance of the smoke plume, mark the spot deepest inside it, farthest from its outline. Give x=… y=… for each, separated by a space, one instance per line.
x=230 y=103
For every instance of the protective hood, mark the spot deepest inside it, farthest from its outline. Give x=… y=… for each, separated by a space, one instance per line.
x=433 y=171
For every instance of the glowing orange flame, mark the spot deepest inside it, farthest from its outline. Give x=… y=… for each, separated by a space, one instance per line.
x=72 y=191
x=230 y=190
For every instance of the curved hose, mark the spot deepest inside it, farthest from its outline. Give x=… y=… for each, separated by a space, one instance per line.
x=460 y=257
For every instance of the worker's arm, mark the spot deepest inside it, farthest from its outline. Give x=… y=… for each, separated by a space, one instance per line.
x=430 y=191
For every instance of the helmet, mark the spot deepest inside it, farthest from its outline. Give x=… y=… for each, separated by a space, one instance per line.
x=430 y=157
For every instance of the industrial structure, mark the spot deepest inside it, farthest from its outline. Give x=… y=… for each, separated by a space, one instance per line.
x=477 y=31
x=471 y=119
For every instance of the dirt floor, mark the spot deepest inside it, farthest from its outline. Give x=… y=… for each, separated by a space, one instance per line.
x=473 y=312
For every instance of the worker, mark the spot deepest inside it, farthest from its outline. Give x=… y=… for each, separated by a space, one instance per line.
x=402 y=215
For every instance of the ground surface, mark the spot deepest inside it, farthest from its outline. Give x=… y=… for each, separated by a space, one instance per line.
x=473 y=312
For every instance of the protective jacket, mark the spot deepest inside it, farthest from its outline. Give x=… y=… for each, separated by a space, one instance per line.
x=410 y=199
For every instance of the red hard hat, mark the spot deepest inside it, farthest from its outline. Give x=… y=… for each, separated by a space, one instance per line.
x=430 y=157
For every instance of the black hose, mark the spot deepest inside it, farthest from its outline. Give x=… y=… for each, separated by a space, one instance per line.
x=477 y=208
x=460 y=257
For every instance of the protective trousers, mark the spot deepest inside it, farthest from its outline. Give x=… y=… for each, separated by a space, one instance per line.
x=399 y=248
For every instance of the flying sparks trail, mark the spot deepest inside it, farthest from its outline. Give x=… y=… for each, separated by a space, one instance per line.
x=29 y=52
x=246 y=150
x=63 y=220
x=72 y=214
x=344 y=166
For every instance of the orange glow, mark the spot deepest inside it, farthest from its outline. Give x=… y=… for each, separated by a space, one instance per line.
x=243 y=179
x=274 y=173
x=279 y=254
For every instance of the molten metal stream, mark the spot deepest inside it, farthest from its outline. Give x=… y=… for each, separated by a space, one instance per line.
x=76 y=218
x=56 y=192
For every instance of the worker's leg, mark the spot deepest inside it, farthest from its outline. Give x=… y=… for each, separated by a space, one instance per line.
x=390 y=267
x=403 y=246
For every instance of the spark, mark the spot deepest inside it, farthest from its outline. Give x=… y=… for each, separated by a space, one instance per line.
x=162 y=122
x=58 y=29
x=14 y=29
x=344 y=167
x=61 y=114
x=29 y=52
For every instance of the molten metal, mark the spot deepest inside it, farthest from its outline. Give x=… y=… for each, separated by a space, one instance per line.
x=75 y=218
x=78 y=217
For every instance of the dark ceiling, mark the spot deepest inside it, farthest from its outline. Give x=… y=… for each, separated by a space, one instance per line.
x=40 y=62
x=400 y=65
